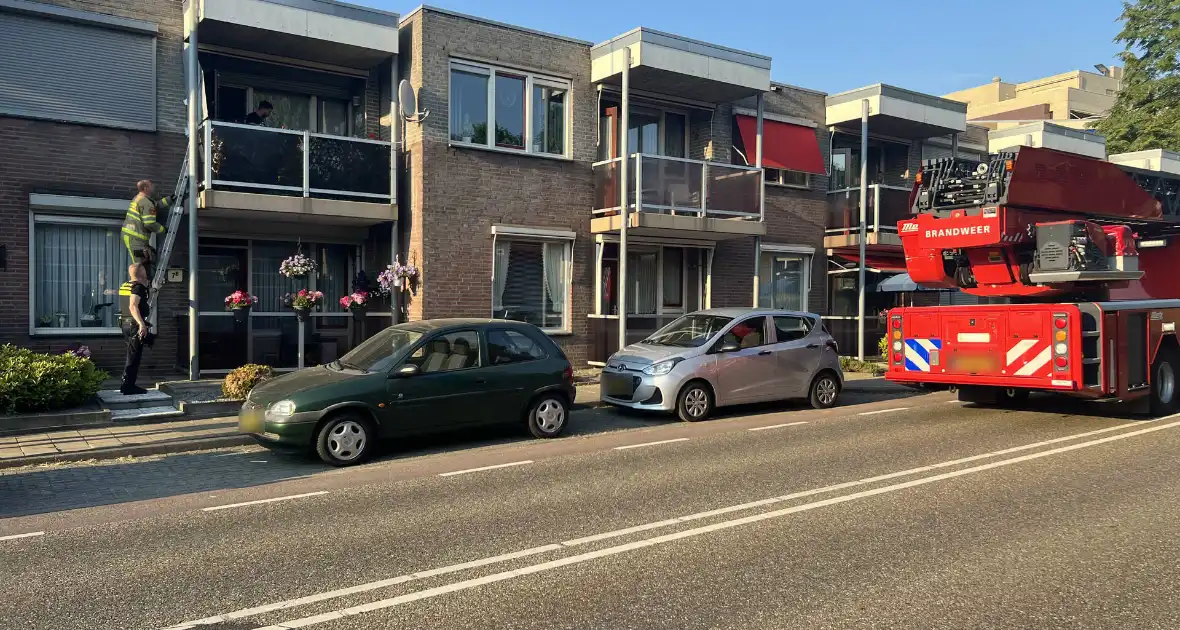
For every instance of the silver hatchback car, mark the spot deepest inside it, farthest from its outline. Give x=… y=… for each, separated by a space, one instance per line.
x=726 y=356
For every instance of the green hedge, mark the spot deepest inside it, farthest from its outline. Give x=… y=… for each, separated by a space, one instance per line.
x=238 y=383
x=31 y=381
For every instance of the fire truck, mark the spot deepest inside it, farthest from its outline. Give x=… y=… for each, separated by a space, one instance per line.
x=1074 y=261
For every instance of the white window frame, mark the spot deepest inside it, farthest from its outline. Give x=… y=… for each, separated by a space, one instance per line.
x=59 y=219
x=808 y=254
x=543 y=236
x=777 y=178
x=531 y=80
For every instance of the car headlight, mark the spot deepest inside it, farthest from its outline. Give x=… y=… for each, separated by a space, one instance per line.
x=282 y=408
x=661 y=368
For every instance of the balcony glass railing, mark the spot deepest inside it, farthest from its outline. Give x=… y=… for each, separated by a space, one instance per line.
x=669 y=185
x=298 y=163
x=887 y=205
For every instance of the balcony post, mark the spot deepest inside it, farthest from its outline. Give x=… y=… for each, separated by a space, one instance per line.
x=877 y=209
x=954 y=145
x=208 y=125
x=194 y=89
x=306 y=164
x=395 y=120
x=864 y=198
x=761 y=200
x=624 y=151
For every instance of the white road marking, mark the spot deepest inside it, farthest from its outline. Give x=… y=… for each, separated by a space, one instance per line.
x=777 y=426
x=248 y=612
x=689 y=533
x=259 y=501
x=873 y=413
x=623 y=448
x=471 y=470
x=28 y=535
x=360 y=588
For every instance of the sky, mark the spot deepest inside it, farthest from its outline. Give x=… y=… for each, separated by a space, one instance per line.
x=930 y=46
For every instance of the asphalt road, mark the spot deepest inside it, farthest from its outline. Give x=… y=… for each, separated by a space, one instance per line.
x=913 y=512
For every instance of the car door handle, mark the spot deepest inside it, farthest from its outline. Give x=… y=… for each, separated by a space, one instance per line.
x=481 y=381
x=813 y=345
x=764 y=353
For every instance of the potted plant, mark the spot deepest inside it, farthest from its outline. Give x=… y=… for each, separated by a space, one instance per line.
x=297 y=266
x=302 y=302
x=62 y=319
x=240 y=303
x=357 y=302
x=398 y=277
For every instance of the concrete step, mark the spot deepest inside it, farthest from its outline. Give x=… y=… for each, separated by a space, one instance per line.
x=113 y=399
x=145 y=414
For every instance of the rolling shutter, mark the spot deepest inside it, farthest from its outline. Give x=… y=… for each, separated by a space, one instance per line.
x=934 y=151
x=77 y=72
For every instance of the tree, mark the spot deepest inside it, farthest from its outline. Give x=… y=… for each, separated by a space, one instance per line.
x=1146 y=113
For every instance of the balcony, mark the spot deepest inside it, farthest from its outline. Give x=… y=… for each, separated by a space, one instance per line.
x=317 y=177
x=896 y=112
x=887 y=206
x=679 y=197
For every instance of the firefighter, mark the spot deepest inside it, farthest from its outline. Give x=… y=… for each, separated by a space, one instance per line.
x=134 y=312
x=140 y=223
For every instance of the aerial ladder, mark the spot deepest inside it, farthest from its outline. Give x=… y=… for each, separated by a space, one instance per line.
x=1079 y=252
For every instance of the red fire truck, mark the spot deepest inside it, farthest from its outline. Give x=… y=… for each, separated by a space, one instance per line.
x=1074 y=256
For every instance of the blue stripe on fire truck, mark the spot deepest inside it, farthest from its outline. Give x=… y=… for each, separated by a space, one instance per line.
x=917 y=353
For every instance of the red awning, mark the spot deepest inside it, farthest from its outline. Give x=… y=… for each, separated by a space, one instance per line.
x=784 y=146
x=883 y=261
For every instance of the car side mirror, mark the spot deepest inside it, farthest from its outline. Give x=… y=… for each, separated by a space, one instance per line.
x=407 y=371
x=728 y=346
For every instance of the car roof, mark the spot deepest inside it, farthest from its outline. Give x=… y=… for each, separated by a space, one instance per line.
x=743 y=312
x=431 y=325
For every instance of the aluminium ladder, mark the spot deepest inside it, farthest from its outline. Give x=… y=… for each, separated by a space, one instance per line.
x=171 y=230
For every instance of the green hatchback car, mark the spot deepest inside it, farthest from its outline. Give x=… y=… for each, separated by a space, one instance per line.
x=415 y=378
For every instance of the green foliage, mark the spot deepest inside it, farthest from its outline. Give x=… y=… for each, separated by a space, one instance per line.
x=31 y=381
x=238 y=383
x=851 y=364
x=883 y=346
x=1146 y=113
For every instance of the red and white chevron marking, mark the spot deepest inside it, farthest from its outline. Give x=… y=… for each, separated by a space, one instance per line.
x=1029 y=355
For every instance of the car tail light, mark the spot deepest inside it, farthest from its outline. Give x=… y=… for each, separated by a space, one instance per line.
x=831 y=343
x=568 y=374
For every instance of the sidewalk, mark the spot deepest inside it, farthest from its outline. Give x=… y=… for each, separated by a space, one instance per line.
x=135 y=440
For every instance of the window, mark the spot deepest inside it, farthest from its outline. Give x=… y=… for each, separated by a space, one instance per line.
x=793 y=179
x=77 y=267
x=783 y=279
x=531 y=282
x=791 y=328
x=379 y=352
x=521 y=106
x=748 y=333
x=509 y=346
x=673 y=277
x=447 y=353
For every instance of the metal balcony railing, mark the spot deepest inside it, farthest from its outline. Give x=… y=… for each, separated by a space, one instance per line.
x=887 y=206
x=293 y=163
x=679 y=186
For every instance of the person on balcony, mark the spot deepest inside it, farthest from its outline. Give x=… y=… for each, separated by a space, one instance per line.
x=141 y=222
x=259 y=116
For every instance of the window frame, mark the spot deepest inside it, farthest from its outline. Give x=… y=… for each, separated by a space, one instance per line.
x=775 y=177
x=543 y=237
x=88 y=220
x=531 y=80
x=767 y=327
x=805 y=252
x=424 y=344
x=487 y=340
x=809 y=326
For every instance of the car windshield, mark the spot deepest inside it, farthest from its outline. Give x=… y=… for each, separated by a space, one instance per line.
x=381 y=351
x=690 y=331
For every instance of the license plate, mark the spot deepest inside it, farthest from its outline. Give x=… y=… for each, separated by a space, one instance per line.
x=251 y=420
x=973 y=365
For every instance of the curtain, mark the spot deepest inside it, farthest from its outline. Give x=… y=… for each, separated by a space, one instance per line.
x=555 y=285
x=500 y=274
x=267 y=284
x=332 y=278
x=643 y=279
x=78 y=269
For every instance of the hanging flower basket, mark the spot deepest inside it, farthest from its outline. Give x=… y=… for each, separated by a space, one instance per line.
x=398 y=277
x=297 y=266
x=303 y=302
x=357 y=303
x=240 y=303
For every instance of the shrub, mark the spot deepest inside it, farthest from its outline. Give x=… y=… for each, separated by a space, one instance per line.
x=883 y=346
x=31 y=381
x=238 y=383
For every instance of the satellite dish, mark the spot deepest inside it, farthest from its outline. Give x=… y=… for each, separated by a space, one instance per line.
x=408 y=102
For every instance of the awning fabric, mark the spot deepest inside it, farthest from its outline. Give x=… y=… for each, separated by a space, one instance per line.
x=880 y=261
x=902 y=282
x=784 y=146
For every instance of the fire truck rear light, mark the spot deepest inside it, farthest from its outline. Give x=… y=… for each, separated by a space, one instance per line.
x=1061 y=322
x=897 y=322
x=1061 y=362
x=897 y=334
x=918 y=177
x=897 y=358
x=1008 y=165
x=1060 y=348
x=1060 y=336
x=897 y=346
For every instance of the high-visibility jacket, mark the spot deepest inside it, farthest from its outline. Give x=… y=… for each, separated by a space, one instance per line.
x=140 y=221
x=128 y=289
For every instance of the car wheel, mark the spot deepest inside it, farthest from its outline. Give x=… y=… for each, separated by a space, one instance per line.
x=1012 y=397
x=345 y=440
x=695 y=402
x=548 y=416
x=825 y=389
x=1163 y=383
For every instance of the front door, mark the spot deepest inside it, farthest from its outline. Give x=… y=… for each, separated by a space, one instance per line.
x=451 y=389
x=796 y=353
x=748 y=374
x=224 y=341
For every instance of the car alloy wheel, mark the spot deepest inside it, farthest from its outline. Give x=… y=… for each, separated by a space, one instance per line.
x=346 y=440
x=696 y=402
x=824 y=392
x=550 y=416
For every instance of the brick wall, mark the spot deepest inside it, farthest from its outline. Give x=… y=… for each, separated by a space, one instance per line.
x=457 y=194
x=68 y=159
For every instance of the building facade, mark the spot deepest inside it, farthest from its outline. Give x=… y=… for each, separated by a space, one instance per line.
x=1074 y=99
